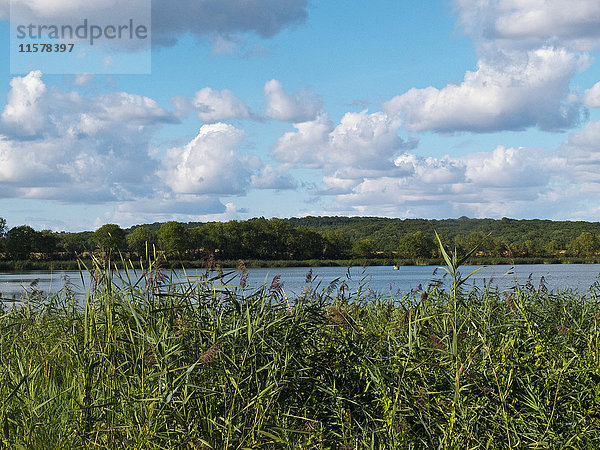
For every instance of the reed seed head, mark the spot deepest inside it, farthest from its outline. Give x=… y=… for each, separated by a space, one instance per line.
x=209 y=355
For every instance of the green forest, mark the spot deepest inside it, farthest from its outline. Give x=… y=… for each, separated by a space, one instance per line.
x=312 y=240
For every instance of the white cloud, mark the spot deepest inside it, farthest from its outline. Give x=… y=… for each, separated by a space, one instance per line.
x=366 y=170
x=591 y=97
x=392 y=196
x=362 y=142
x=18 y=162
x=67 y=169
x=25 y=112
x=529 y=90
x=211 y=106
x=431 y=170
x=305 y=146
x=582 y=151
x=209 y=164
x=34 y=111
x=528 y=52
x=274 y=177
x=131 y=109
x=214 y=106
x=336 y=185
x=365 y=141
x=507 y=167
x=505 y=182
x=61 y=146
x=530 y=24
x=301 y=106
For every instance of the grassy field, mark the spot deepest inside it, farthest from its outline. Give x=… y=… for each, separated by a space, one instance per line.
x=206 y=364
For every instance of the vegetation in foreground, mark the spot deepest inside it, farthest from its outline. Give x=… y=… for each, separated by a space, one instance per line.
x=206 y=364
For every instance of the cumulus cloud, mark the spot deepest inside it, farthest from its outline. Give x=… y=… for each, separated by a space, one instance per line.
x=131 y=108
x=13 y=155
x=211 y=106
x=33 y=111
x=215 y=106
x=500 y=183
x=208 y=164
x=274 y=177
x=507 y=168
x=68 y=169
x=433 y=171
x=301 y=106
x=361 y=142
x=306 y=145
x=582 y=152
x=558 y=183
x=572 y=24
x=591 y=97
x=25 y=112
x=62 y=146
x=528 y=52
x=530 y=90
x=365 y=141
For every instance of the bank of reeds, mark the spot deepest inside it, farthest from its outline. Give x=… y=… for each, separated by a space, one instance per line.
x=207 y=364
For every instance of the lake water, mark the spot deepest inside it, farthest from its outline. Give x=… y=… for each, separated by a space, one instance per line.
x=383 y=279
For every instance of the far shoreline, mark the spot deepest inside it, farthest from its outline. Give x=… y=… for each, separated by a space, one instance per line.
x=73 y=265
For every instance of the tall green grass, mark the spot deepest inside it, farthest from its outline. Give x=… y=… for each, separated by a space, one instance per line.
x=147 y=363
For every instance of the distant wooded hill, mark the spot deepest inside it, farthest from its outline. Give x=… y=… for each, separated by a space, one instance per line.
x=413 y=238
x=317 y=238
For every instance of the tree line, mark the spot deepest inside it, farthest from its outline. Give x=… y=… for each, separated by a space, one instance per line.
x=311 y=238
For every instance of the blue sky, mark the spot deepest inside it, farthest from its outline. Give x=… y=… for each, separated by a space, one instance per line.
x=282 y=108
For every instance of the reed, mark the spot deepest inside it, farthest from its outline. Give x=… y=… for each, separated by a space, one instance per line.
x=148 y=363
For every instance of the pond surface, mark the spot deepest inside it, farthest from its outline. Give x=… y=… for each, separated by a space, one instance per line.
x=382 y=279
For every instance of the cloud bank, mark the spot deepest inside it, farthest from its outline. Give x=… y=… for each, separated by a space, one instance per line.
x=171 y=20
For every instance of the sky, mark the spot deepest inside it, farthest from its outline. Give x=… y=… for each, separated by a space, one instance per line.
x=289 y=108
